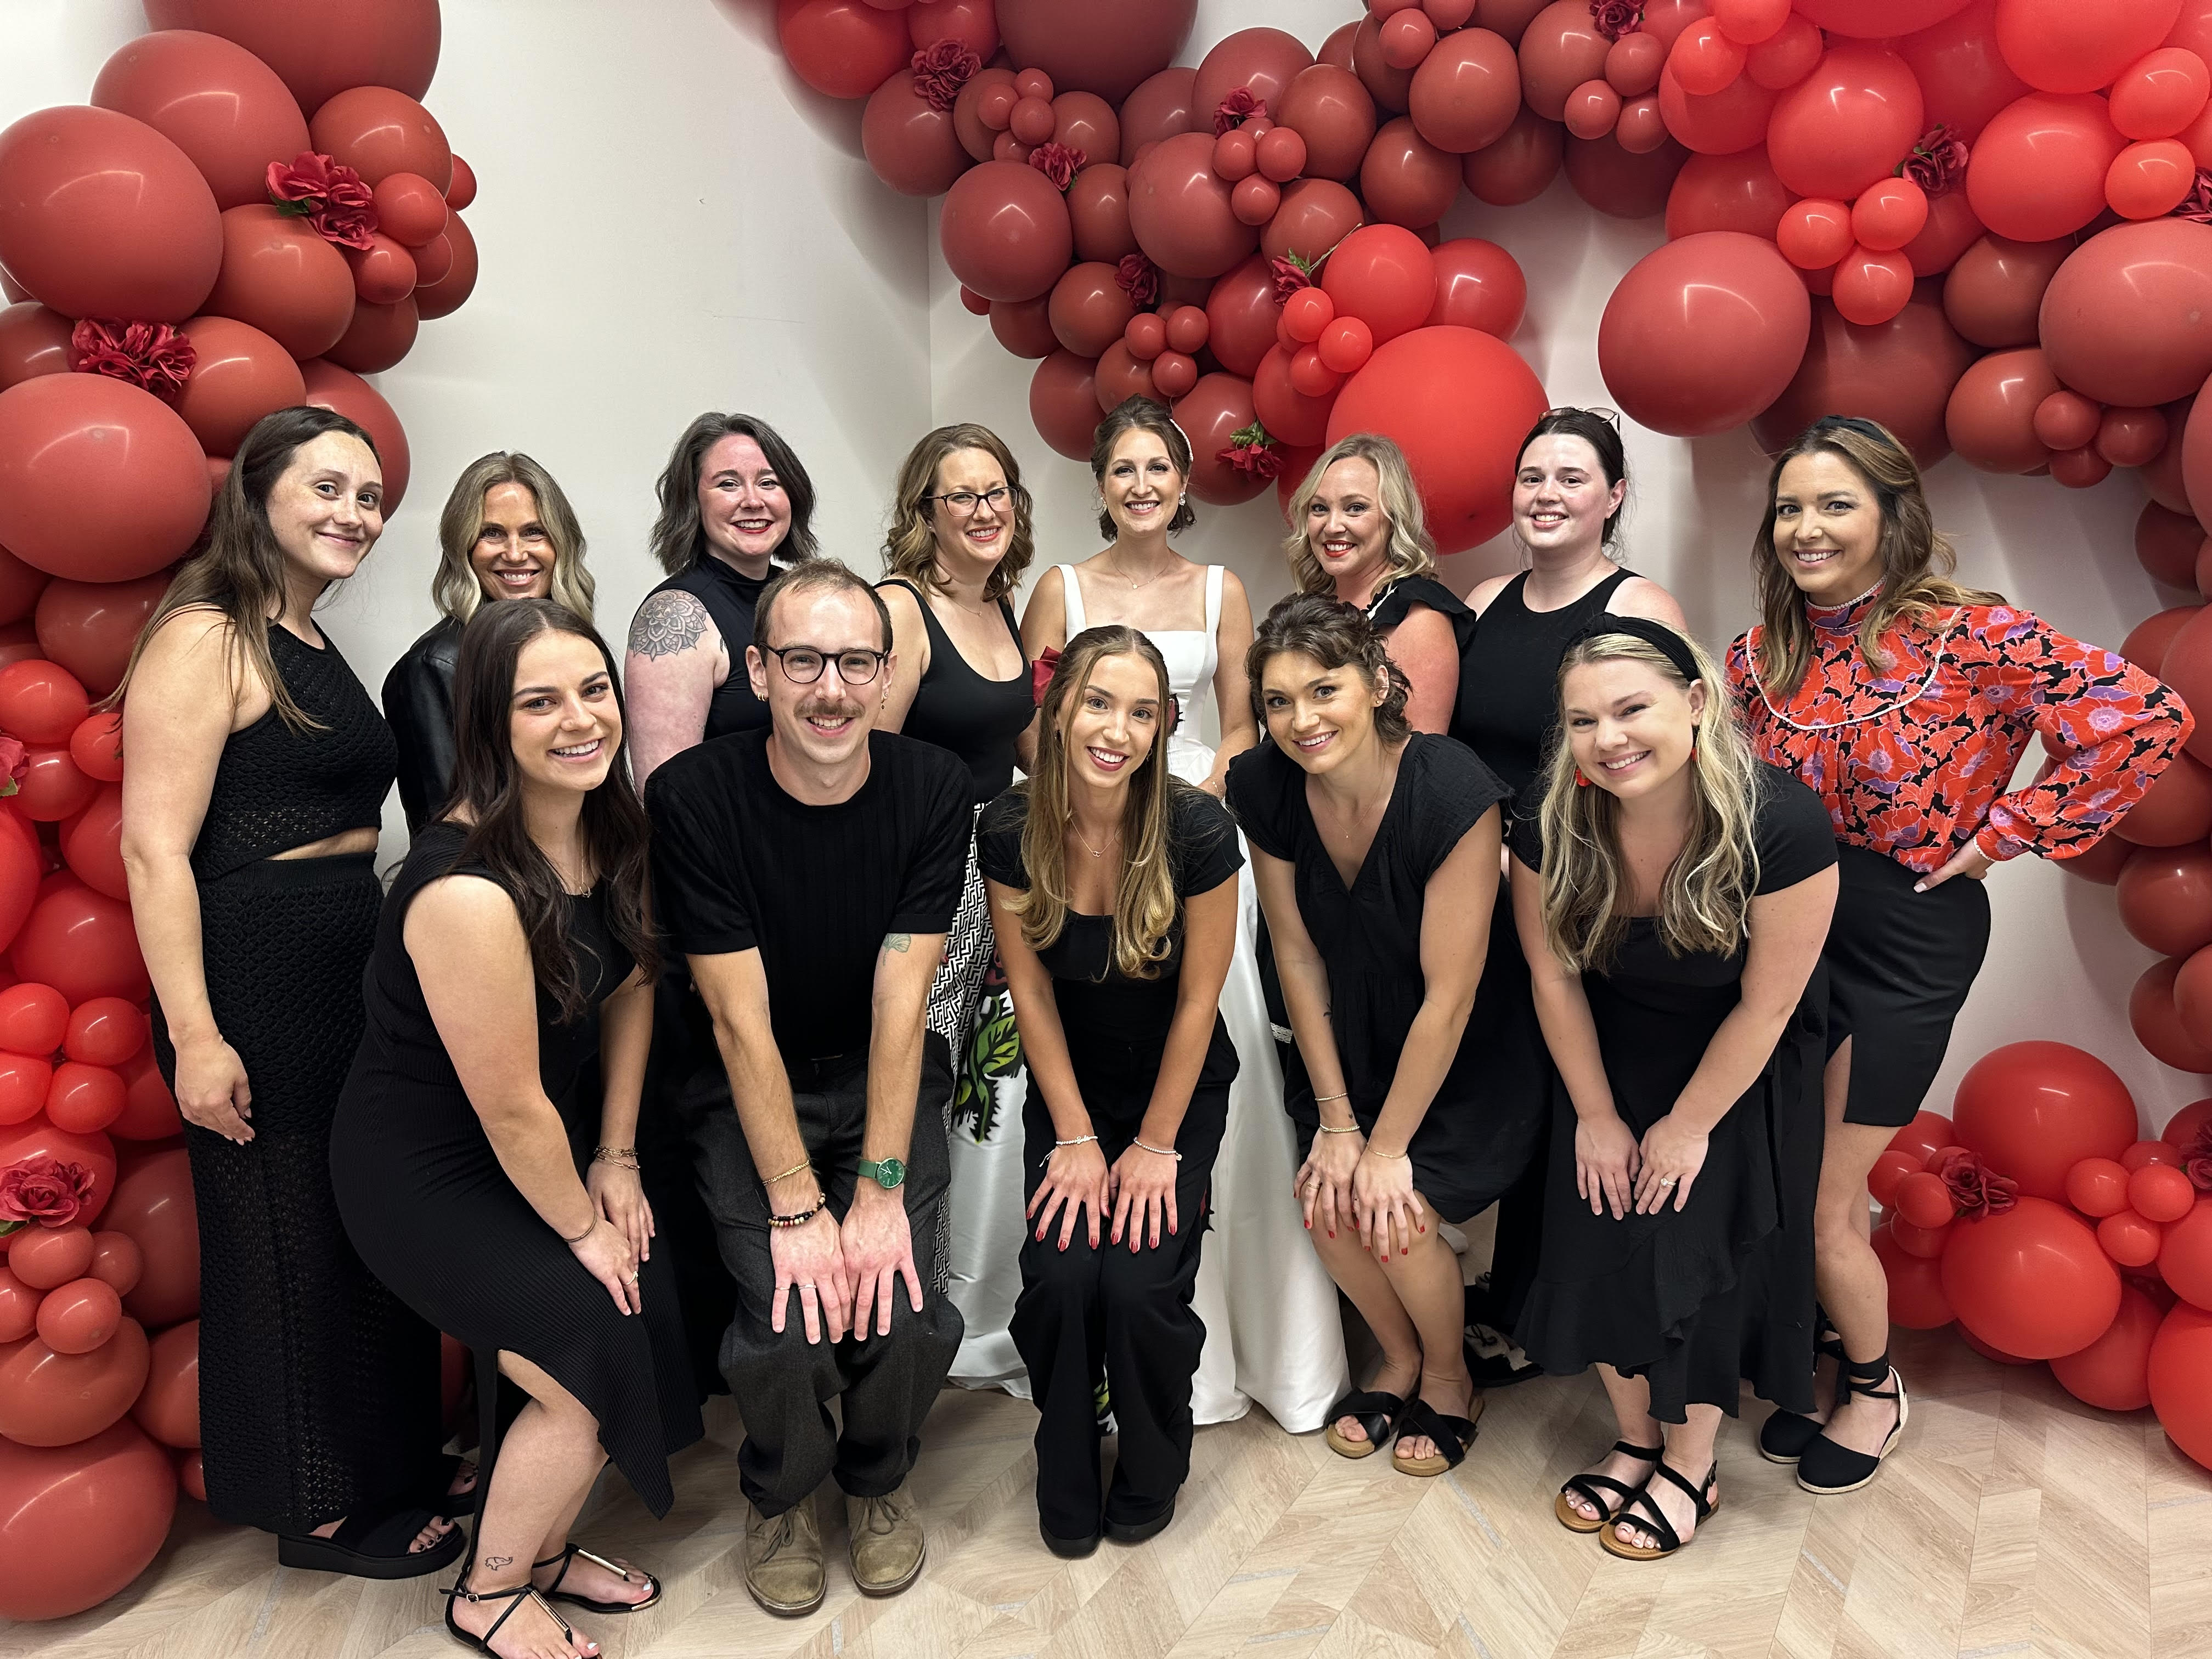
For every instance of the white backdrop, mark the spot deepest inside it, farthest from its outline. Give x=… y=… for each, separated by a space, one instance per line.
x=670 y=222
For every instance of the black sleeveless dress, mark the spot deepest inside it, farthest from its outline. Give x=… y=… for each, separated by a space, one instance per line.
x=318 y=1388
x=435 y=1215
x=959 y=710
x=731 y=596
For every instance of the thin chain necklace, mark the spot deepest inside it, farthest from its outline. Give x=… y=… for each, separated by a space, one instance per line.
x=1085 y=839
x=1133 y=582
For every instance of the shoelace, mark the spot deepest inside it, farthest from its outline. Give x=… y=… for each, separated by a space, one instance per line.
x=881 y=1515
x=787 y=1529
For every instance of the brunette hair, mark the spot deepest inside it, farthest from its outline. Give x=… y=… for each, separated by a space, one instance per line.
x=1601 y=435
x=1145 y=895
x=455 y=586
x=1706 y=898
x=1336 y=635
x=1917 y=560
x=1142 y=415
x=238 y=570
x=911 y=549
x=1410 y=551
x=488 y=788
x=679 y=539
x=816 y=574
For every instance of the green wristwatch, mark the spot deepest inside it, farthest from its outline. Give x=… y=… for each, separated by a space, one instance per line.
x=887 y=1175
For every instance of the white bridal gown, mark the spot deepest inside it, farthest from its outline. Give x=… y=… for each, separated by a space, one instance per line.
x=1271 y=1330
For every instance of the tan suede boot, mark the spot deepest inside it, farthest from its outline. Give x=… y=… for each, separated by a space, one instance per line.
x=783 y=1561
x=887 y=1543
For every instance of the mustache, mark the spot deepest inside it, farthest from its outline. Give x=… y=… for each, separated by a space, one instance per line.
x=830 y=708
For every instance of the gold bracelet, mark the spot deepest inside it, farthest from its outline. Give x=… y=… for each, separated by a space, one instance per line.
x=1323 y=1100
x=1331 y=1129
x=1392 y=1157
x=620 y=1157
x=804 y=1163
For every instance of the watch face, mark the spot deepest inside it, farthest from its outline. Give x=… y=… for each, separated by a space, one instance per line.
x=889 y=1172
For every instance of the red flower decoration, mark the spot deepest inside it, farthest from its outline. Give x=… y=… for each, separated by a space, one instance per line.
x=1938 y=162
x=1059 y=163
x=1041 y=672
x=941 y=69
x=15 y=760
x=1614 y=18
x=1234 y=111
x=2198 y=1161
x=328 y=195
x=2197 y=204
x=1975 y=1191
x=1292 y=273
x=1253 y=452
x=44 y=1190
x=152 y=356
x=1140 y=278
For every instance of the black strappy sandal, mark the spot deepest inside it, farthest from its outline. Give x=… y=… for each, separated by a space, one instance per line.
x=1657 y=1524
x=1829 y=1470
x=1452 y=1435
x=1374 y=1411
x=1584 y=1486
x=517 y=1596
x=372 y=1543
x=553 y=1592
x=1784 y=1435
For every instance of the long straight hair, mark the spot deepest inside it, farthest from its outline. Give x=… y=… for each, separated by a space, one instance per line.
x=1410 y=551
x=1144 y=892
x=679 y=538
x=456 y=587
x=1704 y=900
x=488 y=790
x=911 y=548
x=240 y=569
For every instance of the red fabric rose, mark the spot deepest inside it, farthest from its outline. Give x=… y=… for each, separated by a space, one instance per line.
x=2198 y=1160
x=152 y=356
x=44 y=1190
x=2197 y=204
x=1140 y=278
x=1614 y=18
x=1938 y=162
x=1234 y=111
x=15 y=761
x=1975 y=1191
x=1059 y=163
x=1292 y=273
x=941 y=69
x=1041 y=672
x=1253 y=452
x=328 y=195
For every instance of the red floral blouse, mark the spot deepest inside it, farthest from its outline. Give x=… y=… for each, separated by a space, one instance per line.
x=1913 y=760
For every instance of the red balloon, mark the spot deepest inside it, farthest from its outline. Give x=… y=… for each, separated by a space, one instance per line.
x=1255 y=200
x=1914 y=1240
x=1870 y=287
x=2127 y=319
x=19 y=1307
x=240 y=374
x=2113 y=1372
x=2180 y=1380
x=1405 y=180
x=1383 y=276
x=1619 y=182
x=1261 y=61
x=913 y=147
x=83 y=1099
x=2032 y=1280
x=2176 y=811
x=2166 y=897
x=379 y=132
x=1098 y=211
x=1179 y=209
x=1813 y=234
x=282 y=278
x=1175 y=374
x=1888 y=1173
x=2185 y=1256
x=378 y=338
x=1212 y=413
x=973 y=23
x=1964 y=77
x=1391 y=88
x=2063 y=48
x=79 y=1316
x=1520 y=166
x=81 y=943
x=98 y=480
x=1737 y=192
x=1928 y=1133
x=330 y=386
x=78 y=1523
x=221 y=105
x=1561 y=49
x=1792 y=54
x=1108 y=50
x=410 y=209
x=1290 y=416
x=2150 y=179
x=1900 y=372
x=149 y=1110
x=2131 y=437
x=1848 y=122
x=2184 y=1127
x=1924 y=1201
x=442 y=295
x=2155 y=1019
x=1241 y=314
x=2145 y=649
x=89 y=628
x=1333 y=112
x=1466 y=92
x=44 y=1257
x=1159 y=109
x=2101 y=863
x=1991 y=419
x=2038 y=169
x=1088 y=309
x=2160 y=1193
x=1917 y=1298
x=33 y=1018
x=1023 y=327
x=1734 y=118
x=153 y=1205
x=1704 y=59
x=1747 y=22
x=1889 y=214
x=41 y=702
x=2098 y=1187
x=34 y=340
x=96 y=746
x=50 y=1398
x=1478 y=285
x=169 y=1410
x=1654 y=344
x=2129 y=1239
x=2160 y=94
x=1316 y=214
x=1310 y=376
x=1993 y=295
x=116 y=1262
x=1064 y=402
x=1951 y=229
x=52 y=788
x=320 y=48
x=1593 y=110
x=1458 y=403
x=1876 y=19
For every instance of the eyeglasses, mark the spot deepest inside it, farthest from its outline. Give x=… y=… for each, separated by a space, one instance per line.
x=802 y=663
x=965 y=502
x=1612 y=416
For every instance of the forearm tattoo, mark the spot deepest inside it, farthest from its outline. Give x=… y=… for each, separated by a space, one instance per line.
x=901 y=943
x=667 y=623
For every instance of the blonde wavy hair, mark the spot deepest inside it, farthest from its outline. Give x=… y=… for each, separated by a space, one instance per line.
x=1917 y=559
x=1412 y=551
x=455 y=586
x=1705 y=900
x=911 y=549
x=1145 y=895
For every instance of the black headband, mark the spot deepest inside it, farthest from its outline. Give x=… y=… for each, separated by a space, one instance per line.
x=1671 y=645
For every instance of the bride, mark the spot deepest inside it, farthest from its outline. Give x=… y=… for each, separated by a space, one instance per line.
x=1272 y=1333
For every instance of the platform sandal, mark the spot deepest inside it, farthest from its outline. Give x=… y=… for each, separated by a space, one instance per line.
x=1374 y=1411
x=374 y=1543
x=447 y=1505
x=516 y=1597
x=1451 y=1435
x=1655 y=1522
x=1784 y=1435
x=553 y=1592
x=1584 y=1486
x=1829 y=1470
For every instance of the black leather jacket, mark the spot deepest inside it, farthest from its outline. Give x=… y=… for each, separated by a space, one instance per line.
x=418 y=702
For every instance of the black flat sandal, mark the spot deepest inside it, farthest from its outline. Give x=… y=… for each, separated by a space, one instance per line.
x=516 y=1596
x=447 y=1505
x=372 y=1543
x=1584 y=1486
x=1829 y=1470
x=1452 y=1435
x=553 y=1592
x=1374 y=1411
x=1784 y=1435
x=1656 y=1522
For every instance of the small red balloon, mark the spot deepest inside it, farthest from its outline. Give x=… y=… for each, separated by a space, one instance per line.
x=2098 y=1187
x=1916 y=1300
x=2130 y=1239
x=2158 y=1192
x=83 y=1099
x=80 y=1316
x=1924 y=1201
x=1888 y=1173
x=33 y=1018
x=116 y=1262
x=43 y=1257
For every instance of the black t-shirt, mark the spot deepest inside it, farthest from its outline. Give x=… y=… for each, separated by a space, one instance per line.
x=1112 y=1022
x=737 y=865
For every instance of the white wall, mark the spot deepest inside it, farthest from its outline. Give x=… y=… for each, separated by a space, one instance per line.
x=670 y=221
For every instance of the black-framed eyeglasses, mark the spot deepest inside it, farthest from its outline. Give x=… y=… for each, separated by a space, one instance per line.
x=802 y=663
x=965 y=502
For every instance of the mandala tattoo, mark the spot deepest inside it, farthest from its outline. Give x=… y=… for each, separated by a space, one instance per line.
x=667 y=623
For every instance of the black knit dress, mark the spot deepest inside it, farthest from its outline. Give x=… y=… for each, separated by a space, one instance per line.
x=437 y=1218
x=318 y=1388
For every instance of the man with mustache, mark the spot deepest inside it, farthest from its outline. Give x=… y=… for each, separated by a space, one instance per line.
x=809 y=873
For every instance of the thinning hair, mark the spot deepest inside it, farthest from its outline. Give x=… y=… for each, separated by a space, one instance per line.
x=816 y=575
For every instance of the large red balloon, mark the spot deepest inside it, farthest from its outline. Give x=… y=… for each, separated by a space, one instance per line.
x=1108 y=50
x=1963 y=77
x=2038 y=170
x=1179 y=209
x=1993 y=295
x=102 y=217
x=1458 y=403
x=2187 y=664
x=1240 y=314
x=1099 y=208
x=1466 y=91
x=2034 y=1109
x=1333 y=112
x=2165 y=892
x=1261 y=61
x=1917 y=1301
x=282 y=278
x=99 y=481
x=1520 y=166
x=169 y=1410
x=2184 y=1259
x=378 y=338
x=34 y=339
x=2155 y=1019
x=912 y=145
x=1316 y=214
x=214 y=101
x=153 y=1205
x=1991 y=419
x=1089 y=309
x=2180 y=1380
x=1560 y=49
x=379 y=132
x=2032 y=1280
x=1875 y=20
x=78 y=1523
x=1478 y=285
x=89 y=628
x=1848 y=122
x=1157 y=110
x=1900 y=372
x=2176 y=809
x=1383 y=276
x=2128 y=317
x=1064 y=402
x=842 y=48
x=81 y=943
x=330 y=386
x=1621 y=182
x=240 y=374
x=1723 y=123
x=49 y=1398
x=1727 y=193
x=321 y=47
x=91 y=844
x=2058 y=45
x=1005 y=230
x=1655 y=343
x=1210 y=413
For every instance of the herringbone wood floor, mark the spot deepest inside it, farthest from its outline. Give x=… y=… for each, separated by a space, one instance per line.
x=2013 y=1521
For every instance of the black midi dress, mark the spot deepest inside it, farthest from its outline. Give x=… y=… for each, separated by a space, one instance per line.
x=436 y=1217
x=1721 y=1290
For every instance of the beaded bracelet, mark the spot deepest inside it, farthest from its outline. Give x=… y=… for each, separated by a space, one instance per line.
x=801 y=1218
x=1158 y=1152
x=1079 y=1141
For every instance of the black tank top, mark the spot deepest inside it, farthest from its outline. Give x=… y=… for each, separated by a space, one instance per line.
x=276 y=788
x=730 y=598
x=958 y=709
x=1508 y=678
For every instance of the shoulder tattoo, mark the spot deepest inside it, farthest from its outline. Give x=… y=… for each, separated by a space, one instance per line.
x=667 y=622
